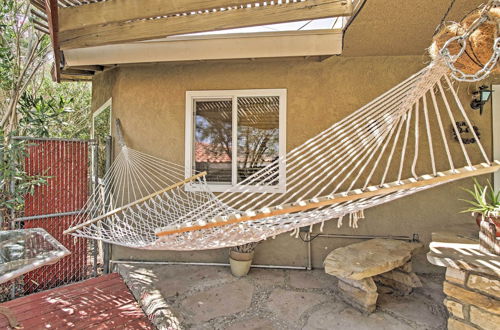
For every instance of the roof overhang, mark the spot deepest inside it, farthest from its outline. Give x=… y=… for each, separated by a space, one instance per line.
x=211 y=47
x=110 y=32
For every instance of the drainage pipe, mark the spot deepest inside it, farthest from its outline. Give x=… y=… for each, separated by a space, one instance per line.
x=414 y=237
x=201 y=264
x=309 y=253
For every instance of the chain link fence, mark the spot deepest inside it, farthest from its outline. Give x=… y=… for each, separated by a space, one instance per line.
x=71 y=170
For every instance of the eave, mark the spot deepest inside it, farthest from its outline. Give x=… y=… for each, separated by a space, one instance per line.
x=142 y=31
x=212 y=47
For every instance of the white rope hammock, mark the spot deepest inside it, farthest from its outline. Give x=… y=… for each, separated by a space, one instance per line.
x=375 y=155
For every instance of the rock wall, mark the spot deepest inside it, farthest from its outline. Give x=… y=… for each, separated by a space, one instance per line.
x=473 y=300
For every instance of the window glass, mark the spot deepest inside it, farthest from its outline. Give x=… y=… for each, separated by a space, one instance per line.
x=258 y=137
x=213 y=139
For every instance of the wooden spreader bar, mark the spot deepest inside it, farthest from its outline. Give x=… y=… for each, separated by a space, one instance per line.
x=371 y=191
x=125 y=207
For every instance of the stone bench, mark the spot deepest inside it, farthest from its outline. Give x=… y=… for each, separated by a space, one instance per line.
x=359 y=266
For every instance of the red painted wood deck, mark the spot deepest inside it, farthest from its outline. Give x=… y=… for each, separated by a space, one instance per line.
x=104 y=302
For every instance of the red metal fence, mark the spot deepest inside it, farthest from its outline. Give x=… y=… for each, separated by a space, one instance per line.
x=65 y=164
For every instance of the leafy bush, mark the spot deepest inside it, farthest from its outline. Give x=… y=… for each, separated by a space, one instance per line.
x=15 y=183
x=41 y=115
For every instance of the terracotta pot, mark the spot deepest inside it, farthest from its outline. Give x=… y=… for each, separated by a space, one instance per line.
x=239 y=256
x=495 y=220
x=240 y=268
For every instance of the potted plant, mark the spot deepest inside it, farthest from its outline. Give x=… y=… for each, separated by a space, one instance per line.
x=484 y=205
x=240 y=258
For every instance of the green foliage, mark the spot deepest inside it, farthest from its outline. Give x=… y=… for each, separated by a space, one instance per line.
x=39 y=115
x=22 y=48
x=31 y=104
x=28 y=96
x=6 y=36
x=23 y=52
x=75 y=120
x=15 y=183
x=484 y=200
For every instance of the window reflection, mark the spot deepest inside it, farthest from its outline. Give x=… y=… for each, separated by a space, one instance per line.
x=213 y=139
x=258 y=137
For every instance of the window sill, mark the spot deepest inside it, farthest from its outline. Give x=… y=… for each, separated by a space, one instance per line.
x=236 y=189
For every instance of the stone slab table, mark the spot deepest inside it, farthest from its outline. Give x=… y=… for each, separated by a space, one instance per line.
x=472 y=282
x=359 y=266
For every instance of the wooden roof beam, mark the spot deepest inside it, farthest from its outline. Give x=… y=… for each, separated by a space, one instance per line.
x=77 y=72
x=51 y=10
x=69 y=77
x=123 y=32
x=93 y=68
x=113 y=11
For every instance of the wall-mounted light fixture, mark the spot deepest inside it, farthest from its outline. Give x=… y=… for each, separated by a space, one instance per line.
x=481 y=97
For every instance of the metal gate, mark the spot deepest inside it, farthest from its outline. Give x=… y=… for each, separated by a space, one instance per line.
x=53 y=206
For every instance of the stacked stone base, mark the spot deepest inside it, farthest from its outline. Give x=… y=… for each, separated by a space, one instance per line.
x=358 y=266
x=402 y=279
x=362 y=294
x=472 y=300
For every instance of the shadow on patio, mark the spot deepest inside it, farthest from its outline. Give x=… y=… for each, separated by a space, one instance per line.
x=100 y=303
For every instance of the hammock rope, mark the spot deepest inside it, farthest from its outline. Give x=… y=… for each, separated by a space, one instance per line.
x=377 y=154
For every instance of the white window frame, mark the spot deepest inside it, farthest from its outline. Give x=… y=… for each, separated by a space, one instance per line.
x=496 y=130
x=192 y=96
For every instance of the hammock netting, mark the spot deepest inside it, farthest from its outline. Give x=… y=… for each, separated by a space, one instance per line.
x=397 y=145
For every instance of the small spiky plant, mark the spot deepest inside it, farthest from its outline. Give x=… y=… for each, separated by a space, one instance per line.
x=484 y=202
x=245 y=248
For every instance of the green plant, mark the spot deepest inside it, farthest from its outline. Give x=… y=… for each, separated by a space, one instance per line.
x=39 y=115
x=485 y=200
x=15 y=183
x=75 y=120
x=23 y=53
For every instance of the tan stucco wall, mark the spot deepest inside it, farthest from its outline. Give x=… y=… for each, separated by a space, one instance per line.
x=102 y=87
x=395 y=27
x=150 y=102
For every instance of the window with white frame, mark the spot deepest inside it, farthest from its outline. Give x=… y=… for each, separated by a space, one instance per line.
x=233 y=134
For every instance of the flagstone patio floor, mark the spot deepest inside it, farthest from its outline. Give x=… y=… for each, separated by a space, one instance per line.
x=209 y=297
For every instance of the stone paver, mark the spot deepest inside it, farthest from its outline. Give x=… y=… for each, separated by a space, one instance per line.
x=226 y=300
x=422 y=313
x=175 y=280
x=432 y=288
x=202 y=297
x=349 y=318
x=267 y=277
x=307 y=280
x=289 y=305
x=252 y=324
